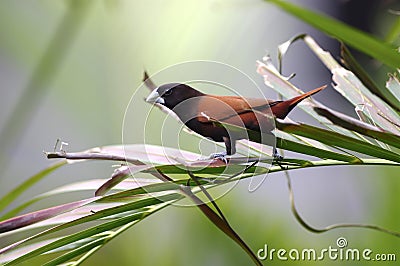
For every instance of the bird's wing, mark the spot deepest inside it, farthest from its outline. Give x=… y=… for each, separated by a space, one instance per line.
x=224 y=107
x=243 y=112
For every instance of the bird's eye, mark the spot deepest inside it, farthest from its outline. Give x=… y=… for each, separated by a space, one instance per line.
x=168 y=92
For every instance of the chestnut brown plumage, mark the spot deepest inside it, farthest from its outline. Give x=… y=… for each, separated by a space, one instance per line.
x=198 y=111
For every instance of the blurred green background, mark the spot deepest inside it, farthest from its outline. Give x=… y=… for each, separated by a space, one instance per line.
x=68 y=69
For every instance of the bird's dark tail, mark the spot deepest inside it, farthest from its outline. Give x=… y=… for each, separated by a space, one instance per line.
x=282 y=109
x=294 y=101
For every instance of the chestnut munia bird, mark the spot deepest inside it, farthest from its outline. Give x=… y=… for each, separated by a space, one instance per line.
x=199 y=111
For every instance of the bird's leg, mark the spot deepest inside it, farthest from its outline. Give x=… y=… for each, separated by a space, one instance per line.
x=276 y=155
x=278 y=158
x=230 y=149
x=230 y=145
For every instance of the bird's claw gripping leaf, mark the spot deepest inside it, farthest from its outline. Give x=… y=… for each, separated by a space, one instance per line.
x=219 y=155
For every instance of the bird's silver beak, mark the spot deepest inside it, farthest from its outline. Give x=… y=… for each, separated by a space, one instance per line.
x=154 y=97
